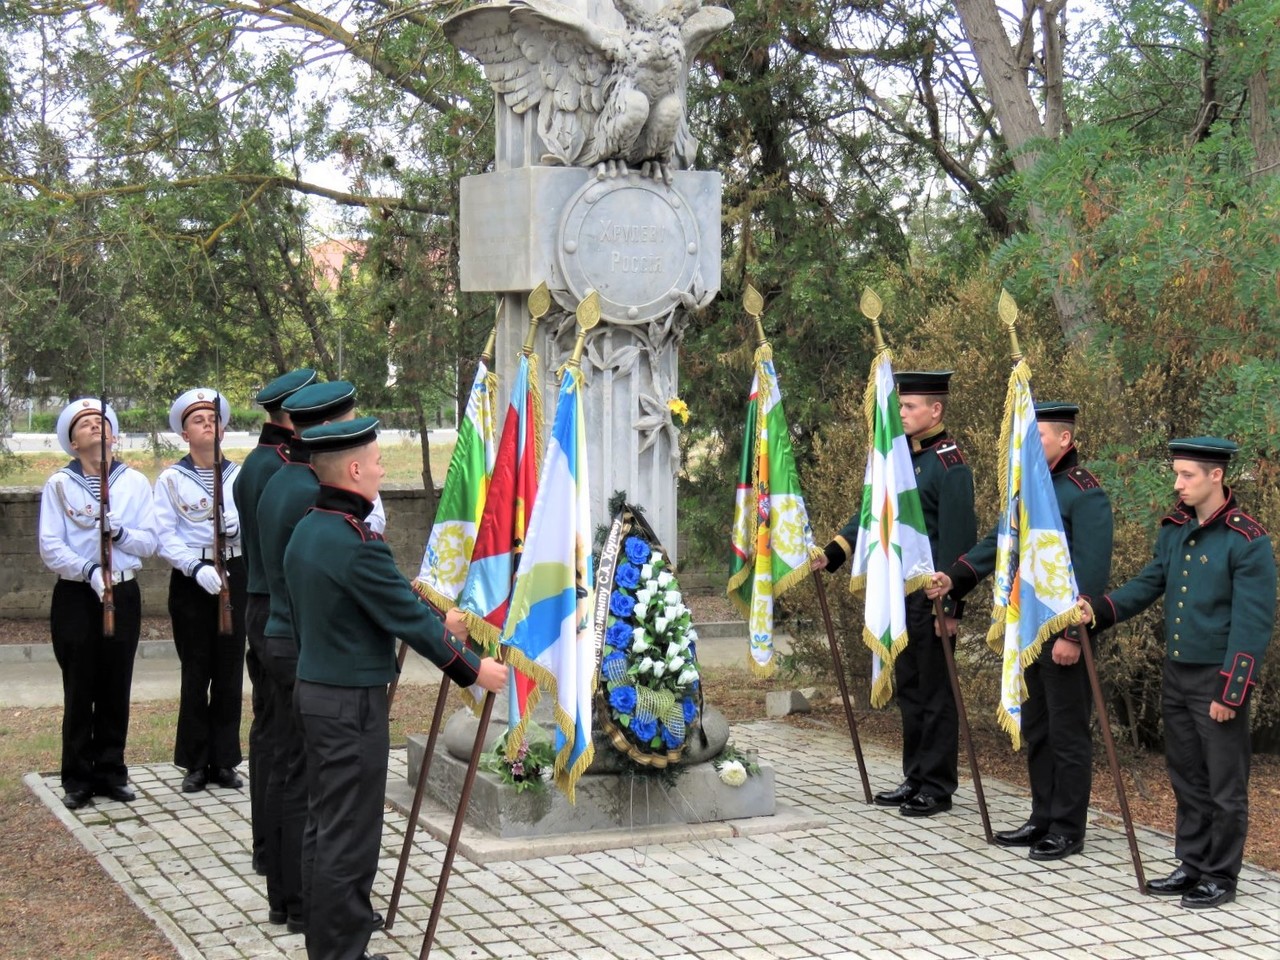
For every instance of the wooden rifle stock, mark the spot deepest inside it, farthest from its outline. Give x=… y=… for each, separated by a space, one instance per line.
x=219 y=538
x=104 y=534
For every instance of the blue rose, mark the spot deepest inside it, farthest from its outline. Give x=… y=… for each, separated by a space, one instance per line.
x=618 y=636
x=638 y=550
x=628 y=576
x=690 y=710
x=623 y=699
x=671 y=738
x=645 y=728
x=620 y=605
x=614 y=661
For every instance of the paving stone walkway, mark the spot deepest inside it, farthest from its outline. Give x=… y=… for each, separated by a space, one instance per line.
x=867 y=884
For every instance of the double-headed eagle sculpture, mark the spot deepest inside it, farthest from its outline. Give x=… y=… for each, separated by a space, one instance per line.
x=605 y=98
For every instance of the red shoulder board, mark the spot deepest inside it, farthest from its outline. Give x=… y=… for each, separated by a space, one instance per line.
x=1083 y=479
x=950 y=455
x=362 y=528
x=1244 y=524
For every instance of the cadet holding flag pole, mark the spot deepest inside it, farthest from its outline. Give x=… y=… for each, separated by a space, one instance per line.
x=1215 y=568
x=349 y=602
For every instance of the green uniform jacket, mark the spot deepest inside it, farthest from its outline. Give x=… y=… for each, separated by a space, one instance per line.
x=350 y=602
x=1086 y=520
x=1219 y=586
x=945 y=483
x=259 y=466
x=285 y=501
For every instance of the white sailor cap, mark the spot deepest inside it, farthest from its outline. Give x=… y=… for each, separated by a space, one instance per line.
x=197 y=398
x=76 y=409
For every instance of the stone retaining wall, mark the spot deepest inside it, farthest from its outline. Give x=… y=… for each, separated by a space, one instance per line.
x=26 y=585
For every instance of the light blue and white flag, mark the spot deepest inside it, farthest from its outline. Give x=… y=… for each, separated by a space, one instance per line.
x=1035 y=585
x=550 y=633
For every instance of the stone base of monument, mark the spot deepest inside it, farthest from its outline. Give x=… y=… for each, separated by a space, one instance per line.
x=612 y=809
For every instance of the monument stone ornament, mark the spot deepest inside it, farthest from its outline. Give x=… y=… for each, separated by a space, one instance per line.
x=593 y=189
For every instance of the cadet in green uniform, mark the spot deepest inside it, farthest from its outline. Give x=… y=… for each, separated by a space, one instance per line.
x=1215 y=569
x=1055 y=716
x=287 y=496
x=349 y=604
x=930 y=729
x=260 y=466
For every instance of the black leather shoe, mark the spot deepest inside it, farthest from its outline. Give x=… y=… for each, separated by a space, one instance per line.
x=118 y=792
x=373 y=956
x=377 y=922
x=75 y=799
x=925 y=805
x=897 y=796
x=195 y=781
x=1176 y=883
x=1025 y=836
x=1054 y=846
x=225 y=777
x=277 y=917
x=1208 y=893
x=296 y=925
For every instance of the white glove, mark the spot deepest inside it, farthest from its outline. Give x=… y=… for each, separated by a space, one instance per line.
x=98 y=582
x=230 y=528
x=208 y=579
x=113 y=521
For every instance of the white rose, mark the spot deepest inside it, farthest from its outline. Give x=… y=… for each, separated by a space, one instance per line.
x=659 y=668
x=687 y=676
x=646 y=572
x=660 y=625
x=641 y=642
x=675 y=665
x=664 y=578
x=652 y=586
x=733 y=773
x=673 y=649
x=645 y=665
x=671 y=612
x=674 y=597
x=691 y=634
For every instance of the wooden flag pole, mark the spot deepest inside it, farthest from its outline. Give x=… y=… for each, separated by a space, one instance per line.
x=1086 y=648
x=451 y=850
x=437 y=721
x=963 y=715
x=395 y=682
x=840 y=679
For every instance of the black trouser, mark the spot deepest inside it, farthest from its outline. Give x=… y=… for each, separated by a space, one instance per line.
x=97 y=676
x=1209 y=769
x=285 y=799
x=347 y=741
x=256 y=608
x=1055 y=727
x=930 y=730
x=212 y=672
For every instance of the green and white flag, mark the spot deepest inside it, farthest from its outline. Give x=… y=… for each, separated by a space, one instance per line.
x=772 y=539
x=447 y=556
x=892 y=557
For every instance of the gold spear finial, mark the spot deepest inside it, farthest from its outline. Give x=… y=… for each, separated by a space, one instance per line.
x=1008 y=311
x=588 y=316
x=539 y=304
x=871 y=306
x=486 y=355
x=753 y=303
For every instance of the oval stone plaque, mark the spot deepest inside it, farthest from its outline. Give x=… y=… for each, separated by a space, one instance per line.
x=633 y=241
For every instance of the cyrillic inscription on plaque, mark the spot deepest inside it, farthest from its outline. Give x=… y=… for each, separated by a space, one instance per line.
x=633 y=241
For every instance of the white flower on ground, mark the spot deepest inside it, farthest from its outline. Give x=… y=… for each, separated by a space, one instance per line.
x=733 y=773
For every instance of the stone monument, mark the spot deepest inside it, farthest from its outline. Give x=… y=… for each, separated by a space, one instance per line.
x=593 y=189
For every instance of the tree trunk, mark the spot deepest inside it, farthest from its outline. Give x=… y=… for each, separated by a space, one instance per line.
x=1020 y=123
x=428 y=480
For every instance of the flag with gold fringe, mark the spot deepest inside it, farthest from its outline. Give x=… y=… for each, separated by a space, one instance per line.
x=1035 y=586
x=772 y=539
x=550 y=633
x=892 y=557
x=503 y=525
x=447 y=556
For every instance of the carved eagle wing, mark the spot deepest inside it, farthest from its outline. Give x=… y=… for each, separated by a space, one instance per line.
x=540 y=53
x=698 y=29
